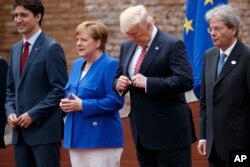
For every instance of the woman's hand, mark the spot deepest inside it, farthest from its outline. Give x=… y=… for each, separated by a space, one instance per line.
x=71 y=103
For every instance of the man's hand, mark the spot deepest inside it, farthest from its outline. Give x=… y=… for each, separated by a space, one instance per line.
x=24 y=120
x=202 y=147
x=123 y=83
x=139 y=81
x=12 y=120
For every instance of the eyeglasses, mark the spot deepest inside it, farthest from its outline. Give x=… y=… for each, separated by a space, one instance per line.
x=215 y=29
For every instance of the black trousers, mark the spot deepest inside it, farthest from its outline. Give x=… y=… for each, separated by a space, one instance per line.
x=45 y=155
x=215 y=161
x=163 y=158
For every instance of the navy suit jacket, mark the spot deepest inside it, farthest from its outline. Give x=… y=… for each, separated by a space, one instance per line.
x=225 y=101
x=37 y=90
x=3 y=76
x=160 y=117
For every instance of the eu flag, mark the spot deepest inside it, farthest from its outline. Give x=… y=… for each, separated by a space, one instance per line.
x=196 y=37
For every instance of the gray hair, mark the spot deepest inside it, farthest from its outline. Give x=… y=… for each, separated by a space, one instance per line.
x=133 y=16
x=227 y=14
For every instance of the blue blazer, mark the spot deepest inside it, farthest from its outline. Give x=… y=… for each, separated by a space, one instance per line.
x=38 y=90
x=98 y=125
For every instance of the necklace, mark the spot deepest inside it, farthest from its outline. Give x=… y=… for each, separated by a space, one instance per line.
x=87 y=67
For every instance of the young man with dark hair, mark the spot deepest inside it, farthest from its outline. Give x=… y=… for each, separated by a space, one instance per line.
x=36 y=78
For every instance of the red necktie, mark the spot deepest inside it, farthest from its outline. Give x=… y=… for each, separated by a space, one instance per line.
x=140 y=59
x=25 y=55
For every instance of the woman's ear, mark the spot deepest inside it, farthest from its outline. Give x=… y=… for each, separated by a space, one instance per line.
x=97 y=43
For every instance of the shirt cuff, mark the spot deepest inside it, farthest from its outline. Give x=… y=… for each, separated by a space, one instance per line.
x=202 y=140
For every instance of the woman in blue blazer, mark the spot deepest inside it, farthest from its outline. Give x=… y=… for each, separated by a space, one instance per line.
x=93 y=129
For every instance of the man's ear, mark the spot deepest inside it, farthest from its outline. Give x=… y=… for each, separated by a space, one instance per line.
x=38 y=17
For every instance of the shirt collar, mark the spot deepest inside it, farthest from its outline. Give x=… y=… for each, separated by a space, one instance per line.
x=32 y=39
x=152 y=35
x=229 y=50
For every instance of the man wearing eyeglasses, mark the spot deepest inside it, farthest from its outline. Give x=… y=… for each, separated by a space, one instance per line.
x=225 y=90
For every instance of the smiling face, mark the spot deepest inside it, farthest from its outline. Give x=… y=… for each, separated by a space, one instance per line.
x=87 y=47
x=221 y=35
x=27 y=24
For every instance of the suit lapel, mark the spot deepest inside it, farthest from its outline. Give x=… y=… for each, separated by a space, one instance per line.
x=128 y=56
x=16 y=64
x=231 y=62
x=33 y=54
x=213 y=66
x=153 y=50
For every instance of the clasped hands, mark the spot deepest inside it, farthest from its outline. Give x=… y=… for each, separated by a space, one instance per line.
x=137 y=80
x=23 y=120
x=71 y=103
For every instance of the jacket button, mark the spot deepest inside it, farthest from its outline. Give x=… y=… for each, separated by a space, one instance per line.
x=94 y=123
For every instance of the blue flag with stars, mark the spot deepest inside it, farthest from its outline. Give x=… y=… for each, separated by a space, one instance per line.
x=196 y=37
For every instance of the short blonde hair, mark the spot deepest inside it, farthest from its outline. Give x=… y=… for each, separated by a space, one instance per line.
x=133 y=16
x=96 y=30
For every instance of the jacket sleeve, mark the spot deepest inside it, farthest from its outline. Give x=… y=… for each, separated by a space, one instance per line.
x=111 y=102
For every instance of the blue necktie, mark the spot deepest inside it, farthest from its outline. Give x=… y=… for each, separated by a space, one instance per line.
x=221 y=63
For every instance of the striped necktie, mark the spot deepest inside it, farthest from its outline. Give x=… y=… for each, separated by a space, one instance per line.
x=140 y=59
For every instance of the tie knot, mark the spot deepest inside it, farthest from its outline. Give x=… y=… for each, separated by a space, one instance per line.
x=26 y=44
x=223 y=55
x=145 y=47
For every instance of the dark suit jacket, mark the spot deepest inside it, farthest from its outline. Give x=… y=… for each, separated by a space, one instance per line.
x=38 y=90
x=3 y=75
x=225 y=102
x=160 y=118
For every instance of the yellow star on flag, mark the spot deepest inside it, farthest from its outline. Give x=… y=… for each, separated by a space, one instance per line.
x=209 y=1
x=188 y=25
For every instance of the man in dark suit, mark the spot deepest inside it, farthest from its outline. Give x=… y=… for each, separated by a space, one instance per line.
x=225 y=90
x=3 y=75
x=161 y=120
x=34 y=90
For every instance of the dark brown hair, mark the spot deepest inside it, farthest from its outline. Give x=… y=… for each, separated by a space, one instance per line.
x=35 y=6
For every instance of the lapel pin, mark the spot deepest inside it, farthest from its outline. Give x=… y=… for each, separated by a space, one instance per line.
x=156 y=48
x=233 y=62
